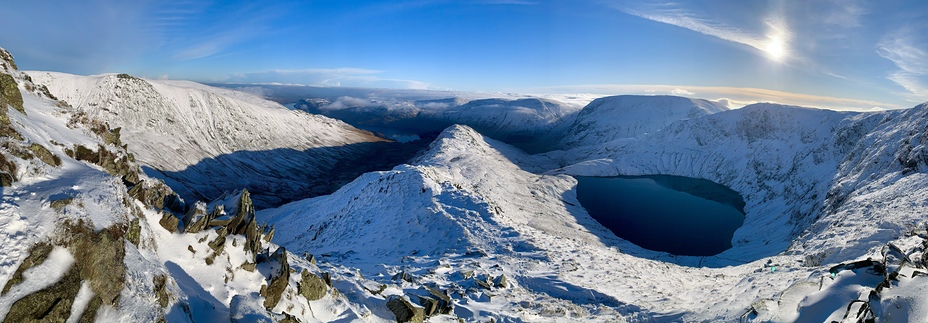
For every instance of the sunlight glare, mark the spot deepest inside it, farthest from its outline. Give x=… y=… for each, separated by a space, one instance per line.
x=776 y=48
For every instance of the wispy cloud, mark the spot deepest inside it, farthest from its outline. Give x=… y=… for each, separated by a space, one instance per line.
x=348 y=77
x=906 y=49
x=735 y=97
x=676 y=15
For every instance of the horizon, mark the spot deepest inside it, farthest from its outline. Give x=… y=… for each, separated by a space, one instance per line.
x=842 y=55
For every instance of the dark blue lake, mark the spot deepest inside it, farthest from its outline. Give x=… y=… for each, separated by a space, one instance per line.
x=678 y=215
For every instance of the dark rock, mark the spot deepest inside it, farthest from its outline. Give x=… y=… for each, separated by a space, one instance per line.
x=311 y=286
x=310 y=258
x=280 y=277
x=169 y=222
x=252 y=239
x=9 y=93
x=429 y=305
x=134 y=234
x=444 y=304
x=244 y=213
x=7 y=59
x=249 y=267
x=327 y=278
x=269 y=235
x=483 y=283
x=502 y=282
x=404 y=310
x=59 y=204
x=37 y=255
x=7 y=171
x=404 y=276
x=98 y=262
x=196 y=219
x=160 y=282
x=52 y=304
x=44 y=155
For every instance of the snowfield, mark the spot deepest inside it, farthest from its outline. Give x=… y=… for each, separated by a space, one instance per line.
x=472 y=228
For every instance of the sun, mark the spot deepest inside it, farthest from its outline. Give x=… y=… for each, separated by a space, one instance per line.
x=776 y=48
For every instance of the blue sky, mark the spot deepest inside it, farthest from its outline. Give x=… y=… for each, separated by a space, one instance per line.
x=846 y=54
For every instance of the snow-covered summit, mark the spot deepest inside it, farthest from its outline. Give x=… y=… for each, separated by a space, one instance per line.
x=628 y=116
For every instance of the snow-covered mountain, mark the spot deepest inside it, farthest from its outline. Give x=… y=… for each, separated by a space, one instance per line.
x=822 y=188
x=524 y=122
x=628 y=116
x=205 y=141
x=87 y=237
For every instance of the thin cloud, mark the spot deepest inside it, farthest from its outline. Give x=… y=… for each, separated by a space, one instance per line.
x=905 y=50
x=682 y=92
x=675 y=15
x=347 y=77
x=735 y=97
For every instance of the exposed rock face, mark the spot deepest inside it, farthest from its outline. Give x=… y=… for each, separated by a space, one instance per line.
x=7 y=59
x=7 y=171
x=169 y=222
x=152 y=194
x=9 y=93
x=98 y=262
x=404 y=310
x=9 y=97
x=280 y=276
x=311 y=286
x=196 y=219
x=44 y=155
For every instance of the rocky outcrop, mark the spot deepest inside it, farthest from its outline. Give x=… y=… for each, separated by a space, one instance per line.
x=114 y=163
x=9 y=97
x=280 y=277
x=156 y=195
x=7 y=171
x=404 y=310
x=98 y=262
x=9 y=93
x=44 y=155
x=6 y=60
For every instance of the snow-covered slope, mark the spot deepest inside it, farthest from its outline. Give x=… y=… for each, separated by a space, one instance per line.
x=85 y=237
x=464 y=205
x=628 y=116
x=206 y=140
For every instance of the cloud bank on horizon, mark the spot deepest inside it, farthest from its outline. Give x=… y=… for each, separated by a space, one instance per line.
x=840 y=54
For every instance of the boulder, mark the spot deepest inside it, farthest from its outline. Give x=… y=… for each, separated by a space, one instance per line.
x=404 y=310
x=169 y=222
x=502 y=282
x=311 y=286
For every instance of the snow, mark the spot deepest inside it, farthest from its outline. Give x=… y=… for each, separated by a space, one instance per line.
x=83 y=298
x=41 y=276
